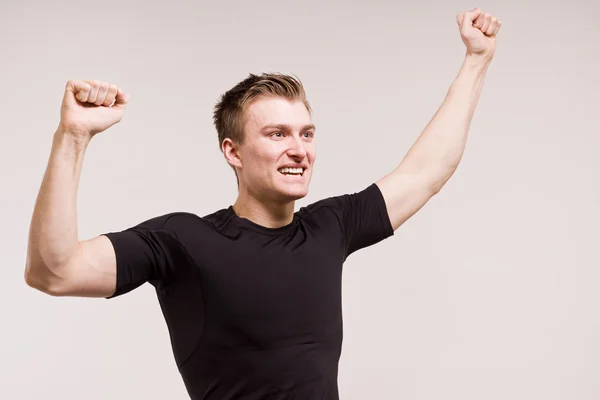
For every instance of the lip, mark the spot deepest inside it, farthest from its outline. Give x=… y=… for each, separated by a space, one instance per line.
x=294 y=178
x=303 y=166
x=304 y=169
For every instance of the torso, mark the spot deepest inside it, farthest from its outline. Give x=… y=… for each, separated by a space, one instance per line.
x=261 y=308
x=253 y=313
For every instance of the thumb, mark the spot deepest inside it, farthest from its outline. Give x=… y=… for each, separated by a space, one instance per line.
x=467 y=18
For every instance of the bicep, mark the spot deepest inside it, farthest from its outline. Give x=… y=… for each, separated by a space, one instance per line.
x=92 y=272
x=115 y=263
x=404 y=194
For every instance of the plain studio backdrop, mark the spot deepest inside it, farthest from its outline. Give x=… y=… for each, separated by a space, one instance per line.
x=489 y=292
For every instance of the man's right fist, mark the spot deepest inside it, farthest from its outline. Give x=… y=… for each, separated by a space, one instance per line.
x=90 y=107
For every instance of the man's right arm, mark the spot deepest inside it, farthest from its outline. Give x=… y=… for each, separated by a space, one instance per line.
x=58 y=263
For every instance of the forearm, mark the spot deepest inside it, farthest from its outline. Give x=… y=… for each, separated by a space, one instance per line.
x=438 y=150
x=53 y=234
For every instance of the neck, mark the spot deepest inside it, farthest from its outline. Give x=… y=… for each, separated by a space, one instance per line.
x=264 y=212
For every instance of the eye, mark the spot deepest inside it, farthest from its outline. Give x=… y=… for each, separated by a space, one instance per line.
x=309 y=134
x=277 y=134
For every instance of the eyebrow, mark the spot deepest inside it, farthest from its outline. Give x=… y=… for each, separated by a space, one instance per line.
x=286 y=127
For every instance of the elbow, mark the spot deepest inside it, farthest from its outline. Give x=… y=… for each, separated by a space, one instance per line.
x=43 y=280
x=436 y=188
x=50 y=288
x=441 y=178
x=41 y=285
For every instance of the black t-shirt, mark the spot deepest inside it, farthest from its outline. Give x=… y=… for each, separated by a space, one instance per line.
x=253 y=312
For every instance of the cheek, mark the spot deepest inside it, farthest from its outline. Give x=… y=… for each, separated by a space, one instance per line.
x=262 y=163
x=311 y=153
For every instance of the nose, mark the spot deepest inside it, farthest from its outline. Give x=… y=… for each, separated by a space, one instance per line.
x=297 y=149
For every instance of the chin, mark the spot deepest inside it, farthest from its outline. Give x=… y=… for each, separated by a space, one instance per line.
x=293 y=194
x=291 y=188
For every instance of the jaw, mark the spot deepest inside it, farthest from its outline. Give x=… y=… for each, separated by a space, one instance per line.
x=292 y=186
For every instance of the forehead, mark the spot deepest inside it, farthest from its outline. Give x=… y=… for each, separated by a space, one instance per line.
x=276 y=110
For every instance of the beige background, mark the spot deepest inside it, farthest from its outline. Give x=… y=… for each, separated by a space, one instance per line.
x=490 y=292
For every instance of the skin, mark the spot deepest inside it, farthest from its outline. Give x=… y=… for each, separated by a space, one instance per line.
x=60 y=264
x=278 y=132
x=267 y=198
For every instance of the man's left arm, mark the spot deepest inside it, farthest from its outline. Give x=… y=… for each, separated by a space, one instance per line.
x=436 y=154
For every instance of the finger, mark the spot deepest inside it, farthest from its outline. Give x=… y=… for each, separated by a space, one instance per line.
x=80 y=89
x=492 y=28
x=470 y=16
x=478 y=22
x=102 y=92
x=111 y=95
x=93 y=91
x=498 y=25
x=460 y=18
x=487 y=20
x=121 y=100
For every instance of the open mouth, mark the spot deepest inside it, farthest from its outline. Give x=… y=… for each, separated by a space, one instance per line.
x=297 y=171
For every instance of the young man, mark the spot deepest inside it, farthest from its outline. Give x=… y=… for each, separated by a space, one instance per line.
x=251 y=293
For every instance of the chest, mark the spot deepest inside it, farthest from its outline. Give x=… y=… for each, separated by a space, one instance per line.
x=273 y=289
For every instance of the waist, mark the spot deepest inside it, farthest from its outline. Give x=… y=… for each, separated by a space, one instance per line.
x=275 y=369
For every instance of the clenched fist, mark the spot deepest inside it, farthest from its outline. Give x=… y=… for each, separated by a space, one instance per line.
x=90 y=107
x=478 y=31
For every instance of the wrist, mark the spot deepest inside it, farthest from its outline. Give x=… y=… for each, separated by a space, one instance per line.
x=478 y=59
x=70 y=139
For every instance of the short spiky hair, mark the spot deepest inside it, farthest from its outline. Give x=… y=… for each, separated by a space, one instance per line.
x=229 y=111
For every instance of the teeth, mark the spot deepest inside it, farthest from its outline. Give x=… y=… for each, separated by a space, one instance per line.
x=294 y=171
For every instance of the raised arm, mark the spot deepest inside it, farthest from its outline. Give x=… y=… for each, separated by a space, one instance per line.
x=58 y=263
x=436 y=154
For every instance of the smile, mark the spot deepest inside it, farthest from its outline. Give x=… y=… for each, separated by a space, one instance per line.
x=298 y=171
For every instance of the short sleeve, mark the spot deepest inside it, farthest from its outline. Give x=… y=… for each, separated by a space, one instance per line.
x=148 y=252
x=364 y=218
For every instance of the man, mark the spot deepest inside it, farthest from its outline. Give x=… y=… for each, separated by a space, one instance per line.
x=251 y=293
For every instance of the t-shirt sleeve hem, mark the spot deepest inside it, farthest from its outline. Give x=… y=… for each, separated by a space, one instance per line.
x=116 y=243
x=384 y=216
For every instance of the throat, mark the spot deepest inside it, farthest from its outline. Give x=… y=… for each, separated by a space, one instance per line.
x=263 y=212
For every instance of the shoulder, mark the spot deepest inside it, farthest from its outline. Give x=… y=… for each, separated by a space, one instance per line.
x=165 y=221
x=176 y=223
x=342 y=202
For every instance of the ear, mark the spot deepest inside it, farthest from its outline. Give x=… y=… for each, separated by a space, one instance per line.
x=231 y=152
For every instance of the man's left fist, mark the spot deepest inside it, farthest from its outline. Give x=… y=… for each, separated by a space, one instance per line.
x=478 y=31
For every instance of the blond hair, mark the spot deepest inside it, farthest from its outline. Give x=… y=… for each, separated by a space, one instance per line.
x=229 y=112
